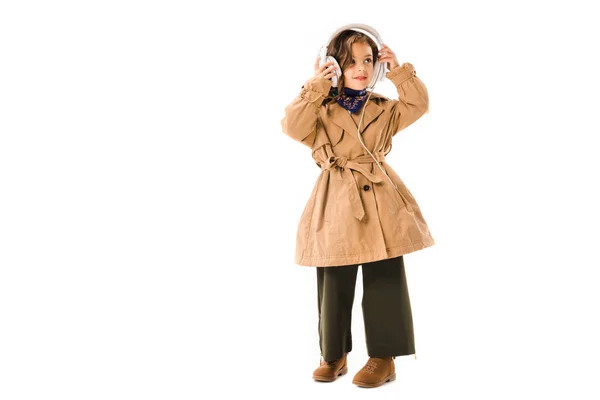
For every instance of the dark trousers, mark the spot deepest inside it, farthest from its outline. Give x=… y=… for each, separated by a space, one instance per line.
x=386 y=309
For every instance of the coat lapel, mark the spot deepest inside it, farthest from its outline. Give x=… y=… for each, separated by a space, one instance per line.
x=340 y=116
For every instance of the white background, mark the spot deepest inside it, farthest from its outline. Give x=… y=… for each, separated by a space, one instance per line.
x=149 y=200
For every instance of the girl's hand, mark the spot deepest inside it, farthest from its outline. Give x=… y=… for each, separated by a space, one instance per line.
x=326 y=71
x=387 y=55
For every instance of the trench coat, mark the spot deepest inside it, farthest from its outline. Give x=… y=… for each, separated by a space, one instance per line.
x=354 y=214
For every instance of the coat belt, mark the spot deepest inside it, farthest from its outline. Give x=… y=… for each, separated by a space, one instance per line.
x=357 y=164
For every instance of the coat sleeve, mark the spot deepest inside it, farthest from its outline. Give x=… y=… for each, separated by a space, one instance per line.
x=413 y=99
x=300 y=120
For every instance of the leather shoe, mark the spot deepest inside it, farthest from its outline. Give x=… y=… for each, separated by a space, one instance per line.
x=329 y=371
x=376 y=372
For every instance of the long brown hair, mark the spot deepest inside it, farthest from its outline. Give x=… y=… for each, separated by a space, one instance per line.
x=340 y=48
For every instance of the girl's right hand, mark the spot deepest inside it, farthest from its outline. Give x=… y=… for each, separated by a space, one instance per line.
x=326 y=71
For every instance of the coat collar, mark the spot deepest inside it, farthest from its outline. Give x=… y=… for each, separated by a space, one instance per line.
x=342 y=118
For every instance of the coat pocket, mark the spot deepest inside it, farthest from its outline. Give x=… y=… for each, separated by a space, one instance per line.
x=398 y=192
x=398 y=201
x=391 y=200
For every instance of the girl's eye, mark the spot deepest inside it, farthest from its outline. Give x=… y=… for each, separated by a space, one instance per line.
x=368 y=61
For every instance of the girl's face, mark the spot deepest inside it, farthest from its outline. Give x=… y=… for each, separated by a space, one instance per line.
x=358 y=74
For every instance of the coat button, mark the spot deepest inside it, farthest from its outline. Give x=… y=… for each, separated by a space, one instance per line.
x=366 y=187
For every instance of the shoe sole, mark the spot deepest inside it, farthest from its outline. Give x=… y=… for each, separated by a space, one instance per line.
x=341 y=372
x=390 y=378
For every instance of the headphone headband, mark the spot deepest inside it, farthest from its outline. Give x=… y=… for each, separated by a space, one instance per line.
x=369 y=30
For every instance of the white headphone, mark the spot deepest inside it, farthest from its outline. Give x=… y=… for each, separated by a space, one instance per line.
x=378 y=68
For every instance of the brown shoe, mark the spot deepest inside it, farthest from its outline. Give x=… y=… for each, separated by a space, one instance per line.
x=329 y=371
x=376 y=372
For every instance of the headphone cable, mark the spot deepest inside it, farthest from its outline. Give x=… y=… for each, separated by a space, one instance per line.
x=363 y=144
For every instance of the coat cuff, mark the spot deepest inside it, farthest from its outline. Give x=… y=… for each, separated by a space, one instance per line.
x=316 y=89
x=401 y=73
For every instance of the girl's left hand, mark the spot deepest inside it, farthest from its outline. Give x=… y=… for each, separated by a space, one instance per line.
x=387 y=55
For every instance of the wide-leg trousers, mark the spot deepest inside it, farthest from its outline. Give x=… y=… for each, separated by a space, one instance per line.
x=386 y=309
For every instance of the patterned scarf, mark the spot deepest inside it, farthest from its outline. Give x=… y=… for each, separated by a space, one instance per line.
x=351 y=99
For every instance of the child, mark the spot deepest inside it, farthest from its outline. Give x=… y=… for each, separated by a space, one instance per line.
x=359 y=212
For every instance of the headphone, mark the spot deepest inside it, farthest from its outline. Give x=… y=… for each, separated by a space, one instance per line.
x=378 y=68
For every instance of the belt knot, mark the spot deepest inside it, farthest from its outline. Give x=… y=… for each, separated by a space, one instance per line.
x=339 y=161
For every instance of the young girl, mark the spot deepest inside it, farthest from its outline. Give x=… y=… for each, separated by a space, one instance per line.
x=359 y=212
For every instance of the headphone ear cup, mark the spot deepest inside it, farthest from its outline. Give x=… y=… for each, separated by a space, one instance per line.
x=378 y=73
x=338 y=71
x=383 y=67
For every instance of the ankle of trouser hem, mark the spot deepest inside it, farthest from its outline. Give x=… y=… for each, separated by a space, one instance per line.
x=379 y=355
x=392 y=357
x=336 y=356
x=335 y=359
x=344 y=353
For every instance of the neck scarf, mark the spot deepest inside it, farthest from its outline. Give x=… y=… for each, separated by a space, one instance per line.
x=350 y=99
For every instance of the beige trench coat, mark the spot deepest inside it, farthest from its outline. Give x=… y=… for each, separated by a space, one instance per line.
x=354 y=215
